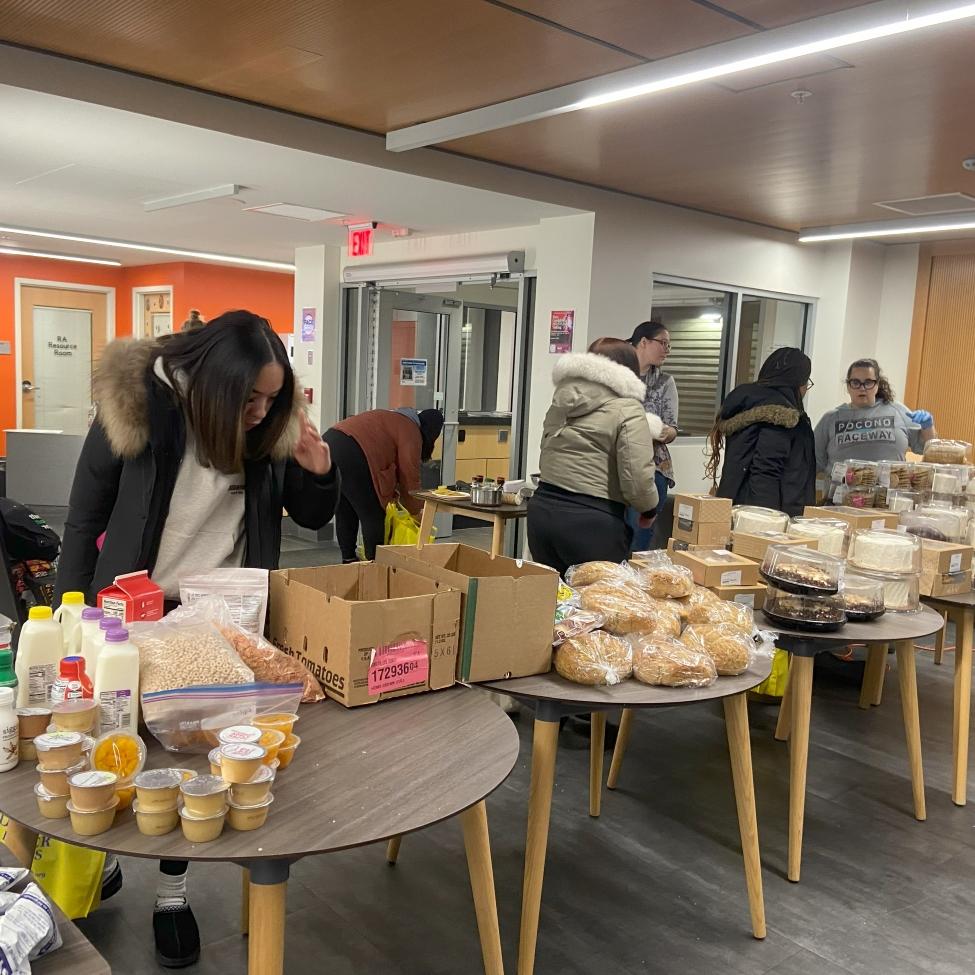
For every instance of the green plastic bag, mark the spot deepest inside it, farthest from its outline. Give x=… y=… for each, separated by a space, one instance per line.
x=70 y=875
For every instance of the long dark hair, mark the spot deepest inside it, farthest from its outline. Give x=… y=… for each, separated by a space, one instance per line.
x=620 y=351
x=884 y=392
x=213 y=370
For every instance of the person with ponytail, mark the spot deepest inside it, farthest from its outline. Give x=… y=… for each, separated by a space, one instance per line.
x=767 y=438
x=873 y=425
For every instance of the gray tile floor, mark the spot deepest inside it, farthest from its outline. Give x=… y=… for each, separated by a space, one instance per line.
x=656 y=885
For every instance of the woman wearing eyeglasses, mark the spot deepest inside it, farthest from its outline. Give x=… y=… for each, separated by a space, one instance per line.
x=873 y=425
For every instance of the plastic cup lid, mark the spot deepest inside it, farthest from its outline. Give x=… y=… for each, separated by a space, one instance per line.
x=93 y=812
x=240 y=733
x=204 y=785
x=92 y=779
x=33 y=712
x=214 y=756
x=265 y=773
x=186 y=814
x=158 y=778
x=75 y=706
x=57 y=739
x=242 y=752
x=42 y=793
x=153 y=812
x=257 y=805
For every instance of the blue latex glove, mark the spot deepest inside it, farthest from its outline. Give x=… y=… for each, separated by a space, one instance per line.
x=922 y=418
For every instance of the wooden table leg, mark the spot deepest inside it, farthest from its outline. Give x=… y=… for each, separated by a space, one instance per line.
x=544 y=749
x=800 y=687
x=21 y=842
x=740 y=747
x=622 y=740
x=392 y=850
x=784 y=725
x=477 y=843
x=597 y=739
x=872 y=687
x=907 y=678
x=964 y=622
x=269 y=887
x=245 y=901
x=430 y=511
x=497 y=537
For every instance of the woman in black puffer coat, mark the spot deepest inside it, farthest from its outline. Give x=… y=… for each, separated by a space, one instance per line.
x=770 y=451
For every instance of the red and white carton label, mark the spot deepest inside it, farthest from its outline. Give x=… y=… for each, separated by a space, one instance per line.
x=395 y=666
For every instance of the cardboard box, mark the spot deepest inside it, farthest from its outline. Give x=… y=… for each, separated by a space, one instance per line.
x=679 y=545
x=709 y=534
x=716 y=567
x=701 y=519
x=945 y=558
x=946 y=584
x=368 y=632
x=507 y=609
x=869 y=518
x=134 y=598
x=752 y=545
x=751 y=596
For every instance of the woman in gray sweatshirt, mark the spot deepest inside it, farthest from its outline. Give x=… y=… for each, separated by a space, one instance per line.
x=873 y=425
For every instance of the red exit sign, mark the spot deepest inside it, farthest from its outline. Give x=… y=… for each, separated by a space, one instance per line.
x=360 y=241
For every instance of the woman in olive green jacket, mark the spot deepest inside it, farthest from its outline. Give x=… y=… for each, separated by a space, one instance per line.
x=596 y=458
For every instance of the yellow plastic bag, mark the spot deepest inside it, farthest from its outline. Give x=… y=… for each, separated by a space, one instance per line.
x=774 y=684
x=69 y=875
x=401 y=527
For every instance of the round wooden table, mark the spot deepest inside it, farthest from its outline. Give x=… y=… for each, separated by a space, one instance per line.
x=359 y=776
x=959 y=610
x=552 y=697
x=899 y=629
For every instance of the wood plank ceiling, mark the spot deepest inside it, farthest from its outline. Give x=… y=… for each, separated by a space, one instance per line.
x=889 y=120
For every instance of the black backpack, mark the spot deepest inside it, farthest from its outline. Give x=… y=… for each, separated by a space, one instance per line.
x=27 y=535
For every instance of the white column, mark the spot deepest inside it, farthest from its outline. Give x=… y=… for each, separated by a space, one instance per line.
x=317 y=363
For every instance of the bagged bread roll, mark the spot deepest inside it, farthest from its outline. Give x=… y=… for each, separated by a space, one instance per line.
x=589 y=573
x=664 y=661
x=575 y=623
x=627 y=609
x=733 y=614
x=695 y=607
x=667 y=581
x=596 y=658
x=729 y=648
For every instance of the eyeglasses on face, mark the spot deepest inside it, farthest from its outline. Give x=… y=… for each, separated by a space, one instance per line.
x=862 y=383
x=665 y=344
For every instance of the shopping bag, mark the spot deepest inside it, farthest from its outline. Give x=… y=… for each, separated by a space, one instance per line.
x=401 y=527
x=774 y=684
x=69 y=875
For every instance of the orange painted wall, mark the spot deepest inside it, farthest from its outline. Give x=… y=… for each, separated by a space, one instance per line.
x=213 y=289
x=210 y=288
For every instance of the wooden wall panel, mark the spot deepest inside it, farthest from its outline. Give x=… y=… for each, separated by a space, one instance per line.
x=946 y=357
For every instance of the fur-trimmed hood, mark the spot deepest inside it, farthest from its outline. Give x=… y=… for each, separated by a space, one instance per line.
x=773 y=413
x=121 y=394
x=584 y=382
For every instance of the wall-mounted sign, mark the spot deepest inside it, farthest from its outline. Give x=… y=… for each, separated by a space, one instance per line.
x=360 y=241
x=560 y=331
x=308 y=324
x=413 y=372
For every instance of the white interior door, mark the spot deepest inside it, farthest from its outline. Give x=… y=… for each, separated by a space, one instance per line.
x=62 y=369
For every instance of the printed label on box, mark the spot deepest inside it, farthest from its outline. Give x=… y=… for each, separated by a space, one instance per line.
x=114 y=607
x=746 y=599
x=954 y=564
x=398 y=665
x=878 y=523
x=731 y=578
x=685 y=516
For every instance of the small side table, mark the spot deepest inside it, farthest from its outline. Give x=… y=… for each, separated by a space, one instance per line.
x=434 y=504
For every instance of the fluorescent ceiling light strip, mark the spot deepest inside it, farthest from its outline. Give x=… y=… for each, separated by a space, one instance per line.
x=152 y=249
x=20 y=252
x=890 y=228
x=830 y=32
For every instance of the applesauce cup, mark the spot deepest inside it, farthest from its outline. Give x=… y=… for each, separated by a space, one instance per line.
x=32 y=722
x=244 y=818
x=253 y=792
x=78 y=715
x=240 y=734
x=158 y=790
x=92 y=791
x=205 y=795
x=58 y=750
x=50 y=807
x=202 y=829
x=91 y=822
x=239 y=763
x=56 y=782
x=155 y=822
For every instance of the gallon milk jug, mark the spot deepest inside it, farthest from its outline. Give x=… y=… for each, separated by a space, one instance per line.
x=117 y=682
x=69 y=616
x=72 y=682
x=38 y=656
x=88 y=635
x=9 y=732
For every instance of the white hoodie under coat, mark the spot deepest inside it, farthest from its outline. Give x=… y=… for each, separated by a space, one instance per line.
x=597 y=439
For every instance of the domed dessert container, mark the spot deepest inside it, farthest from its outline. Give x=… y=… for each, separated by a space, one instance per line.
x=750 y=519
x=830 y=534
x=802 y=571
x=862 y=598
x=815 y=614
x=902 y=590
x=884 y=550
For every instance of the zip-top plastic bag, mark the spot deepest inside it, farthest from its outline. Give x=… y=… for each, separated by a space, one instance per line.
x=190 y=719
